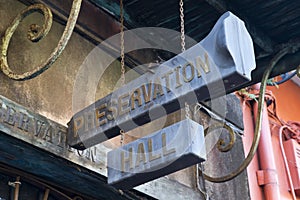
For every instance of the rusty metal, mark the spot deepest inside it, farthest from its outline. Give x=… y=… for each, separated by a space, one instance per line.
x=35 y=34
x=246 y=162
x=221 y=143
x=46 y=194
x=16 y=186
x=122 y=45
x=31 y=177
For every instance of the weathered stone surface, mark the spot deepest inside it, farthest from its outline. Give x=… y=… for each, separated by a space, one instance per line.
x=50 y=93
x=228 y=107
x=220 y=164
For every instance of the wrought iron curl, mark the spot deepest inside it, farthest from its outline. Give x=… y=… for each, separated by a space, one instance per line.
x=35 y=34
x=257 y=132
x=221 y=143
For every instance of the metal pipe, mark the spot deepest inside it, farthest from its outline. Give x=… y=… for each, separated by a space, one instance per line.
x=256 y=192
x=37 y=180
x=17 y=188
x=46 y=195
x=266 y=153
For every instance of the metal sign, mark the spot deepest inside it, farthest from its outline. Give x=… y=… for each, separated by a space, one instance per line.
x=220 y=63
x=173 y=148
x=18 y=123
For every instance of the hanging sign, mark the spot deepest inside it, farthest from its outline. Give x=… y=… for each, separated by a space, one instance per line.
x=173 y=148
x=220 y=63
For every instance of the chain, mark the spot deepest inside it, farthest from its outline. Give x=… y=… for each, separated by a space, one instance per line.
x=187 y=108
x=122 y=43
x=187 y=111
x=201 y=187
x=122 y=137
x=182 y=26
x=122 y=133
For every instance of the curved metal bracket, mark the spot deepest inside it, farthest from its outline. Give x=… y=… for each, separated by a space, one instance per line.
x=35 y=34
x=246 y=162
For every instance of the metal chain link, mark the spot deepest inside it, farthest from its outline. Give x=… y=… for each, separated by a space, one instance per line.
x=122 y=43
x=182 y=26
x=187 y=111
x=202 y=187
x=122 y=133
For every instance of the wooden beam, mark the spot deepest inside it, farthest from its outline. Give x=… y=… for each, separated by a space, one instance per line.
x=286 y=64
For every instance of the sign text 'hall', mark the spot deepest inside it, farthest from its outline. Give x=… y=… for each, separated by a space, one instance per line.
x=173 y=148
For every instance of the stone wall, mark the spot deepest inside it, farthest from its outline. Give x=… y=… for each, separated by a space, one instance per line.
x=49 y=94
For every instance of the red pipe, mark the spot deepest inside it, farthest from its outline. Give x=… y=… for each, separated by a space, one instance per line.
x=256 y=192
x=266 y=155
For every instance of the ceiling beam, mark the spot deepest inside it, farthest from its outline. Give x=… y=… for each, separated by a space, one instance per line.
x=259 y=38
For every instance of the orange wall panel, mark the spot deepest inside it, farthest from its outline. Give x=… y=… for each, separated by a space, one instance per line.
x=288 y=100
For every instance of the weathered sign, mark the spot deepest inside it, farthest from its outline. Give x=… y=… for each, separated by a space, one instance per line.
x=37 y=145
x=219 y=63
x=37 y=130
x=20 y=124
x=173 y=148
x=16 y=119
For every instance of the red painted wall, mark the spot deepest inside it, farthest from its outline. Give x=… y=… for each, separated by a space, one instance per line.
x=288 y=108
x=288 y=100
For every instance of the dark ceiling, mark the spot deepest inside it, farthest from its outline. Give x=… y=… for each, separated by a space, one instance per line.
x=271 y=23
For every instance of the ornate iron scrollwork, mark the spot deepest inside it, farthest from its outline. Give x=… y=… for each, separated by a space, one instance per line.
x=221 y=143
x=35 y=34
